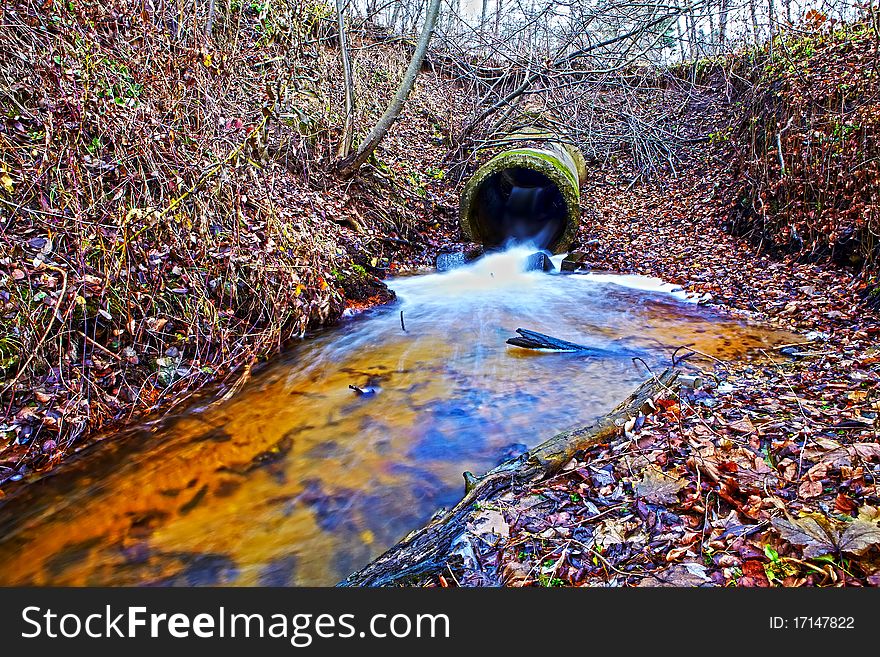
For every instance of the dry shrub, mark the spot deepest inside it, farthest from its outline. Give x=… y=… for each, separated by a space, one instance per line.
x=163 y=219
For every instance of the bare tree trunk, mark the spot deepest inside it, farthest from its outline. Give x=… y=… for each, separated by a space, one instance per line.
x=754 y=13
x=349 y=166
x=713 y=39
x=397 y=7
x=722 y=22
x=209 y=25
x=681 y=37
x=345 y=143
x=692 y=35
x=498 y=7
x=771 y=17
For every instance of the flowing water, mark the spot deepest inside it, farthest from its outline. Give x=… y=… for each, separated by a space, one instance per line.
x=300 y=479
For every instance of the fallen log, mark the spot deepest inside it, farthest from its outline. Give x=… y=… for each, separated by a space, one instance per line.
x=533 y=340
x=425 y=550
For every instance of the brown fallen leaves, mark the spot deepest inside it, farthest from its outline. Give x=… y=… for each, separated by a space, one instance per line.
x=819 y=535
x=685 y=501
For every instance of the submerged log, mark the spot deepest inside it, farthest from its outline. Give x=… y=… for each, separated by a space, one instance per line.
x=533 y=340
x=425 y=550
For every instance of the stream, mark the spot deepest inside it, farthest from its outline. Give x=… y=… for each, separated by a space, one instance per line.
x=300 y=479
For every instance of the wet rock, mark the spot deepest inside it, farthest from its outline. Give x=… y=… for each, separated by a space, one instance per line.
x=575 y=261
x=539 y=261
x=451 y=259
x=447 y=261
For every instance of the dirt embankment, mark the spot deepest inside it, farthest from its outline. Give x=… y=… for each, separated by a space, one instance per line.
x=167 y=218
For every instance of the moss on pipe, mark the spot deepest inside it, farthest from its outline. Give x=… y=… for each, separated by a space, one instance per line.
x=560 y=164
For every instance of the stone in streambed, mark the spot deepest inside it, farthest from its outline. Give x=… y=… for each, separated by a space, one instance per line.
x=539 y=261
x=447 y=260
x=575 y=261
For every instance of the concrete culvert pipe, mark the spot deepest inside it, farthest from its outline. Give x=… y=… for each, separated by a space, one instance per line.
x=525 y=195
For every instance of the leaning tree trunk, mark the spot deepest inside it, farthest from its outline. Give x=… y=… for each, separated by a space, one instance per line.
x=345 y=143
x=349 y=165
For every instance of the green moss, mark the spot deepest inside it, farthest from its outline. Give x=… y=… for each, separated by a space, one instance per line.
x=556 y=162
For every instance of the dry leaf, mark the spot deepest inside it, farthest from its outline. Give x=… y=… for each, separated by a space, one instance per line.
x=744 y=426
x=810 y=489
x=659 y=488
x=859 y=536
x=817 y=538
x=819 y=535
x=491 y=522
x=685 y=574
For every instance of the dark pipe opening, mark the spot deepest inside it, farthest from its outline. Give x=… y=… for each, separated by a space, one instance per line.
x=522 y=205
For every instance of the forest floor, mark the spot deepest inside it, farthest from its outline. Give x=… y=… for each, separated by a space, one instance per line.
x=764 y=474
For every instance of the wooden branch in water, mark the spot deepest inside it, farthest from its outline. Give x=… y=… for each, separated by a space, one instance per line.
x=534 y=340
x=425 y=550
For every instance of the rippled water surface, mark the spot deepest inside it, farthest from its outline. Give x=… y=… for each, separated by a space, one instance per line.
x=301 y=480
